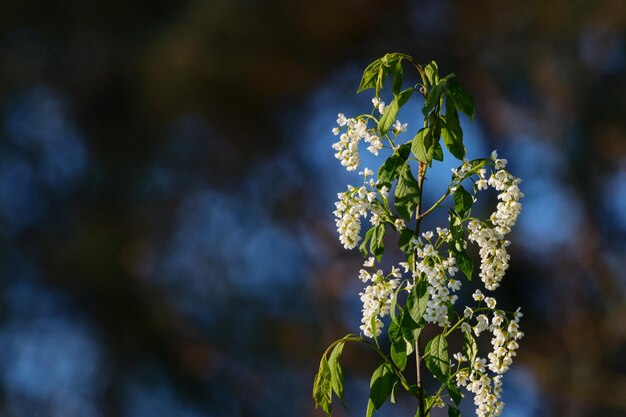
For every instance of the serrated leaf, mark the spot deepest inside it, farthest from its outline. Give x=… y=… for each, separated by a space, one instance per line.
x=451 y=131
x=437 y=360
x=370 y=408
x=417 y=301
x=391 y=111
x=398 y=353
x=377 y=245
x=432 y=73
x=393 y=392
x=396 y=85
x=463 y=262
x=470 y=348
x=462 y=201
x=462 y=100
x=408 y=327
x=437 y=151
x=336 y=373
x=322 y=389
x=381 y=384
x=404 y=241
x=394 y=301
x=432 y=101
x=390 y=169
x=456 y=225
x=370 y=75
x=407 y=196
x=394 y=330
x=454 y=391
x=368 y=236
x=422 y=145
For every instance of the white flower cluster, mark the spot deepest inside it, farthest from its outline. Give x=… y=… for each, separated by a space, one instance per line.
x=376 y=297
x=504 y=342
x=491 y=240
x=439 y=274
x=352 y=204
x=348 y=146
x=487 y=389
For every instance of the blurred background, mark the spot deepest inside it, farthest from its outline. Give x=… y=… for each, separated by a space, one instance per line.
x=167 y=246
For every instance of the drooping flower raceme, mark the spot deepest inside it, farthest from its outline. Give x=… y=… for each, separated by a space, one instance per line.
x=437 y=262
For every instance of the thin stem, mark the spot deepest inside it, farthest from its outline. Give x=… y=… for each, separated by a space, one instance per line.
x=434 y=206
x=418 y=358
x=418 y=221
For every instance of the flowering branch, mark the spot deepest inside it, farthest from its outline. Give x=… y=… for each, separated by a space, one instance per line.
x=420 y=291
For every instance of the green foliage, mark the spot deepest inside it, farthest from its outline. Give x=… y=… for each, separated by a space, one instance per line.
x=470 y=348
x=437 y=360
x=417 y=301
x=463 y=101
x=381 y=384
x=391 y=111
x=462 y=201
x=390 y=169
x=407 y=195
x=322 y=387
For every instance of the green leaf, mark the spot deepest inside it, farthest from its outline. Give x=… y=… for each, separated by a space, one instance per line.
x=451 y=131
x=437 y=151
x=463 y=101
x=394 y=301
x=404 y=241
x=408 y=327
x=390 y=169
x=381 y=384
x=396 y=86
x=432 y=73
x=393 y=392
x=454 y=391
x=432 y=101
x=470 y=348
x=368 y=236
x=453 y=412
x=456 y=225
x=463 y=262
x=336 y=373
x=370 y=75
x=370 y=408
x=437 y=360
x=391 y=111
x=394 y=329
x=462 y=201
x=377 y=245
x=322 y=389
x=422 y=145
x=398 y=353
x=383 y=71
x=417 y=301
x=407 y=195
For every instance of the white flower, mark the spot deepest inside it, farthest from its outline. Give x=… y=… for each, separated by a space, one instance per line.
x=399 y=223
x=459 y=357
x=366 y=172
x=491 y=302
x=427 y=235
x=399 y=127
x=478 y=295
x=369 y=263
